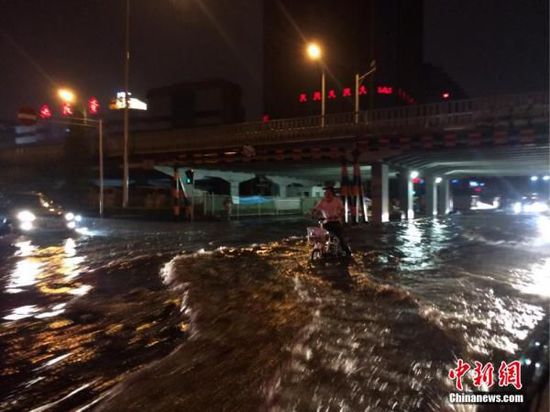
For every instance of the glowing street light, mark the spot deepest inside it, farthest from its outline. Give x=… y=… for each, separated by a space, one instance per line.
x=315 y=53
x=66 y=95
x=546 y=178
x=534 y=178
x=438 y=180
x=414 y=174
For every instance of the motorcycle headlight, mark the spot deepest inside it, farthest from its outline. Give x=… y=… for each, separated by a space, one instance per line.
x=69 y=216
x=26 y=216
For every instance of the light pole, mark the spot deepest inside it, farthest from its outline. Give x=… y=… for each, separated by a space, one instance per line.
x=315 y=53
x=358 y=80
x=68 y=96
x=125 y=179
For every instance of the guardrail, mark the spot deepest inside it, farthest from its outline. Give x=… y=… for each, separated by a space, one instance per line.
x=502 y=110
x=513 y=110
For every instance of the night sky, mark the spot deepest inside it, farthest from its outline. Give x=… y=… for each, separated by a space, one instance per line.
x=487 y=46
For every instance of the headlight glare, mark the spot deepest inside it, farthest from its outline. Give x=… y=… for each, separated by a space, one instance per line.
x=26 y=226
x=26 y=216
x=69 y=216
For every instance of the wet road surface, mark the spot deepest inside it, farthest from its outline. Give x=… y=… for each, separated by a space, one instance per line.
x=231 y=316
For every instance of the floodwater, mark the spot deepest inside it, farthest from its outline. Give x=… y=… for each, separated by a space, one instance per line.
x=231 y=316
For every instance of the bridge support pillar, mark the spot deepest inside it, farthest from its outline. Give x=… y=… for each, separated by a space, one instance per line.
x=380 y=192
x=431 y=196
x=234 y=187
x=444 y=197
x=406 y=199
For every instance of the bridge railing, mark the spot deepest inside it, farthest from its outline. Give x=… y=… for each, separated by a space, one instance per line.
x=505 y=110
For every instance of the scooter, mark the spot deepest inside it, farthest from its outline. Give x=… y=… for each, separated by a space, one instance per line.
x=325 y=246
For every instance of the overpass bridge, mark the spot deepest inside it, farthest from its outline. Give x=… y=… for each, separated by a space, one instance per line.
x=504 y=135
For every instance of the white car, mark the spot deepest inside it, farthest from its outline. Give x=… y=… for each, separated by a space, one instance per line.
x=33 y=212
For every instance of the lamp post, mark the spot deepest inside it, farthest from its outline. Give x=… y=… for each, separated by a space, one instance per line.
x=315 y=53
x=125 y=178
x=358 y=80
x=68 y=96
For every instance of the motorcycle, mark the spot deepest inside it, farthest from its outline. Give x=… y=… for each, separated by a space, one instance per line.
x=325 y=246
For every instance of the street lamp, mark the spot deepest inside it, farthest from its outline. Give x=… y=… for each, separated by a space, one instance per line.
x=315 y=53
x=68 y=96
x=358 y=80
x=126 y=172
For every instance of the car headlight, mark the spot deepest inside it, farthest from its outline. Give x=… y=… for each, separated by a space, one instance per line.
x=69 y=216
x=26 y=216
x=26 y=226
x=78 y=218
x=71 y=225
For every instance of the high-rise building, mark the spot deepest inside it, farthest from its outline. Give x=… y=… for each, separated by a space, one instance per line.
x=352 y=34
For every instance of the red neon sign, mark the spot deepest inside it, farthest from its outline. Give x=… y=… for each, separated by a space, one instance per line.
x=331 y=94
x=316 y=96
x=45 y=112
x=303 y=97
x=93 y=105
x=384 y=90
x=362 y=90
x=346 y=92
x=67 y=110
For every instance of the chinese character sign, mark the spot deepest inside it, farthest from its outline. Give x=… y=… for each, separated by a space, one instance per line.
x=483 y=375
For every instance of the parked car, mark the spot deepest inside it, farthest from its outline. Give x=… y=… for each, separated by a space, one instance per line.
x=33 y=212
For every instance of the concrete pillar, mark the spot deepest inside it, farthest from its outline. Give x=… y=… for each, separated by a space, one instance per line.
x=431 y=195
x=444 y=197
x=282 y=189
x=406 y=193
x=234 y=187
x=380 y=193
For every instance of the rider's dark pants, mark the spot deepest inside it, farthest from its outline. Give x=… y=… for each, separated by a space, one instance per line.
x=337 y=230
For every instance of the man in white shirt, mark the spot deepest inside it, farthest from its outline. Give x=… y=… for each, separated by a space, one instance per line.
x=332 y=210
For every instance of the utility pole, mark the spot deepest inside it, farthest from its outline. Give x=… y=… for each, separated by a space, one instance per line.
x=126 y=178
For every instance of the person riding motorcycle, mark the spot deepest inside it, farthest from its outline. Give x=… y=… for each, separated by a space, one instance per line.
x=332 y=210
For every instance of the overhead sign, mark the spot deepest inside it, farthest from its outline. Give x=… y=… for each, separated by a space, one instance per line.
x=133 y=103
x=27 y=116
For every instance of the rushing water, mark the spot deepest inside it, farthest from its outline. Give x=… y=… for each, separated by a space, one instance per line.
x=231 y=316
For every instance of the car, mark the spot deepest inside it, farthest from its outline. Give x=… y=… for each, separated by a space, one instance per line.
x=34 y=212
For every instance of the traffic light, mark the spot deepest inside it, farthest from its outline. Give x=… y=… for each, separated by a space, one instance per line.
x=189 y=176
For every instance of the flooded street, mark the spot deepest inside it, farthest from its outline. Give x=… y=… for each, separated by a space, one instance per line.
x=232 y=316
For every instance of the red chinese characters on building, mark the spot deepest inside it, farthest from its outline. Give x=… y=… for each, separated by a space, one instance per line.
x=384 y=90
x=362 y=90
x=303 y=98
x=331 y=94
x=510 y=374
x=45 y=112
x=67 y=109
x=483 y=375
x=317 y=96
x=93 y=105
x=457 y=373
x=346 y=92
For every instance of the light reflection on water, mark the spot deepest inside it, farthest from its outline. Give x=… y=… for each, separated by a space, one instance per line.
x=381 y=332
